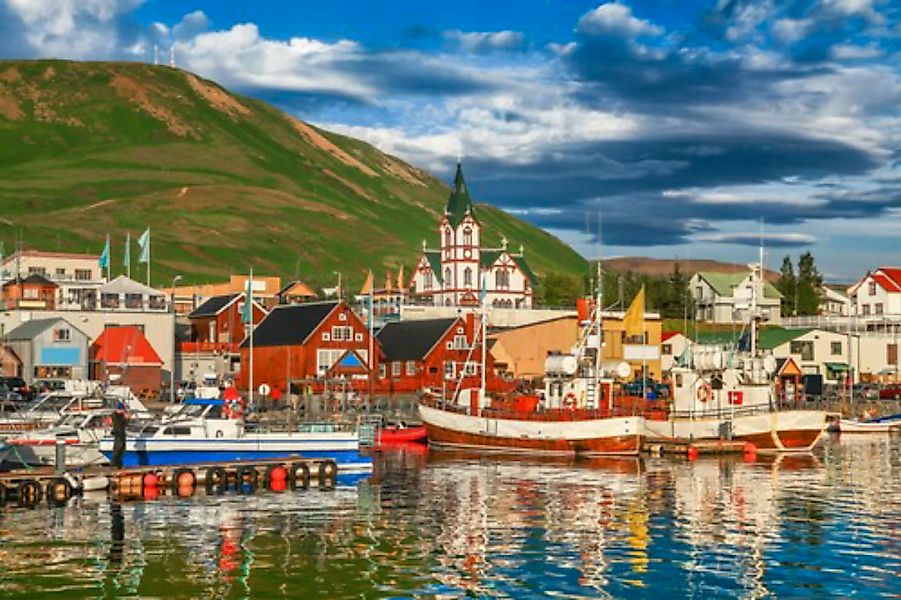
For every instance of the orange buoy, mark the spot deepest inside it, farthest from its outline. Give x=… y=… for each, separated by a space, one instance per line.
x=278 y=485
x=185 y=490
x=750 y=452
x=278 y=474
x=692 y=453
x=151 y=492
x=151 y=480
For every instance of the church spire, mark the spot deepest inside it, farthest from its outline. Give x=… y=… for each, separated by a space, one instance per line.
x=459 y=204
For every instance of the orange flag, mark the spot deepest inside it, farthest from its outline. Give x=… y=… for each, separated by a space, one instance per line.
x=400 y=278
x=633 y=320
x=367 y=285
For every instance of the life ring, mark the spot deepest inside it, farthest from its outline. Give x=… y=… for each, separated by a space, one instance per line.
x=328 y=471
x=216 y=480
x=299 y=476
x=59 y=490
x=705 y=392
x=569 y=400
x=29 y=492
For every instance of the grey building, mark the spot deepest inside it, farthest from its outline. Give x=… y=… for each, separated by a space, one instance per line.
x=49 y=349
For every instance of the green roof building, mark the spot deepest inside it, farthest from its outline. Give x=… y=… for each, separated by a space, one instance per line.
x=728 y=297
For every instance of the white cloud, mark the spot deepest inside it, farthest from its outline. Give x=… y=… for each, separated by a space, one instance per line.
x=474 y=41
x=74 y=29
x=616 y=19
x=191 y=25
x=855 y=52
x=789 y=31
x=849 y=8
x=739 y=237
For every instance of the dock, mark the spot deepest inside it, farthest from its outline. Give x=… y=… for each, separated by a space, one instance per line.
x=694 y=448
x=30 y=487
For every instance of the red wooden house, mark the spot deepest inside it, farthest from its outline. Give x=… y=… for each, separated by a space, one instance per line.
x=34 y=291
x=433 y=353
x=217 y=323
x=303 y=342
x=123 y=356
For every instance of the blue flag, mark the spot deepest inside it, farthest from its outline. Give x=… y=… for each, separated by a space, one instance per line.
x=126 y=256
x=247 y=311
x=104 y=256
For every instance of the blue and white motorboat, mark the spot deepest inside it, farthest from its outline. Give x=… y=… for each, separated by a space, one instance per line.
x=200 y=433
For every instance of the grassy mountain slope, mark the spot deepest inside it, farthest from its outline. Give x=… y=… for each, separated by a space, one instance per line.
x=224 y=181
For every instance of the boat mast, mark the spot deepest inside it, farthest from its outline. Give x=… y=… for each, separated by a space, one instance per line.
x=599 y=296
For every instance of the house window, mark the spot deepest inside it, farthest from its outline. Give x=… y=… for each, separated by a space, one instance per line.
x=342 y=317
x=866 y=309
x=358 y=337
x=891 y=354
x=109 y=300
x=804 y=348
x=382 y=370
x=83 y=274
x=325 y=359
x=342 y=333
x=450 y=369
x=501 y=279
x=411 y=367
x=395 y=368
x=470 y=368
x=667 y=349
x=878 y=308
x=326 y=336
x=60 y=272
x=872 y=288
x=467 y=237
x=133 y=301
x=836 y=348
x=30 y=293
x=62 y=335
x=699 y=291
x=37 y=271
x=467 y=277
x=460 y=342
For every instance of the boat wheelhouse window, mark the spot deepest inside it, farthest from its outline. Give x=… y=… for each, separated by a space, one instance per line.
x=215 y=412
x=174 y=430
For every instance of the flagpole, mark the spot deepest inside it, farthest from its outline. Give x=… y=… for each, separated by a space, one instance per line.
x=109 y=260
x=249 y=324
x=371 y=349
x=148 y=256
x=128 y=254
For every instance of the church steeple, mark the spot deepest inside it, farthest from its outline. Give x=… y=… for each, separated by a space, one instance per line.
x=459 y=204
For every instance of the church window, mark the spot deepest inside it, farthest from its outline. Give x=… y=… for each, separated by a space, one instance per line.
x=467 y=277
x=427 y=280
x=447 y=237
x=501 y=279
x=467 y=237
x=447 y=278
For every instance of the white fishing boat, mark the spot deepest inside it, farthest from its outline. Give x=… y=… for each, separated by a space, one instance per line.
x=877 y=425
x=202 y=432
x=723 y=394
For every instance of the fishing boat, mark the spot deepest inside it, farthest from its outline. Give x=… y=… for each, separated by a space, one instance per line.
x=876 y=425
x=575 y=415
x=203 y=432
x=721 y=394
x=399 y=433
x=47 y=408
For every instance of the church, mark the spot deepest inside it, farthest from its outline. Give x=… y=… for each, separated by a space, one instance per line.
x=451 y=275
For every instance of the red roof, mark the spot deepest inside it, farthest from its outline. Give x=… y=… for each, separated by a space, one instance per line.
x=886 y=283
x=118 y=345
x=668 y=334
x=894 y=274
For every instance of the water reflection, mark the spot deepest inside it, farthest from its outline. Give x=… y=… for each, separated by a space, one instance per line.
x=452 y=524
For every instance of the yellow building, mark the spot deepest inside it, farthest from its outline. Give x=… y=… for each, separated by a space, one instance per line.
x=615 y=342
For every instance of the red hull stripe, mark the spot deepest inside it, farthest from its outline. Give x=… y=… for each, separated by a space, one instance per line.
x=792 y=439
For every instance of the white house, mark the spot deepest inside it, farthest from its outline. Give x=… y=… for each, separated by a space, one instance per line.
x=815 y=351
x=878 y=293
x=451 y=275
x=727 y=297
x=834 y=302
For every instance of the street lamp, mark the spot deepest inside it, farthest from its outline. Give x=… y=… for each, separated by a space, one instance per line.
x=175 y=280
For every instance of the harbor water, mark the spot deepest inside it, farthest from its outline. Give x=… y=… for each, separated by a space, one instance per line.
x=449 y=524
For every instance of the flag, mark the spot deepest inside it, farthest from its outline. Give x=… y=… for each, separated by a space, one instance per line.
x=144 y=245
x=126 y=256
x=247 y=311
x=400 y=278
x=104 y=256
x=388 y=281
x=367 y=285
x=633 y=320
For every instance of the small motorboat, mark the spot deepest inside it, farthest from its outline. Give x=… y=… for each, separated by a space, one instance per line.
x=399 y=433
x=876 y=425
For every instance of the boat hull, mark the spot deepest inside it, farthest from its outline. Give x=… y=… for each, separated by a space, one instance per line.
x=140 y=452
x=852 y=426
x=42 y=452
x=594 y=437
x=783 y=431
x=391 y=436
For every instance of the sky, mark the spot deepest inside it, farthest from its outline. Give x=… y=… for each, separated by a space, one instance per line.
x=689 y=129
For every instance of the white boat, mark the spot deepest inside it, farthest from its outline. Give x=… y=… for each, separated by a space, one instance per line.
x=47 y=408
x=883 y=425
x=200 y=433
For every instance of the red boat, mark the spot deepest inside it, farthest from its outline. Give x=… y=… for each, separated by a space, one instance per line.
x=393 y=434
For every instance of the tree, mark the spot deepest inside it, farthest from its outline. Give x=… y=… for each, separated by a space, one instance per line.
x=810 y=283
x=559 y=290
x=787 y=285
x=674 y=303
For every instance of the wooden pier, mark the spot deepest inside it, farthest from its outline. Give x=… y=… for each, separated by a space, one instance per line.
x=29 y=487
x=695 y=448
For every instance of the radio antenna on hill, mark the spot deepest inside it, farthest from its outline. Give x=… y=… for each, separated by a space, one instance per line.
x=172 y=56
x=156 y=55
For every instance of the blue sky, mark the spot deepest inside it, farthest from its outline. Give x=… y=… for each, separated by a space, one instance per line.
x=684 y=123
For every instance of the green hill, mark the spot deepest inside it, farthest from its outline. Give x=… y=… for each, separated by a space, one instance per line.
x=224 y=181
